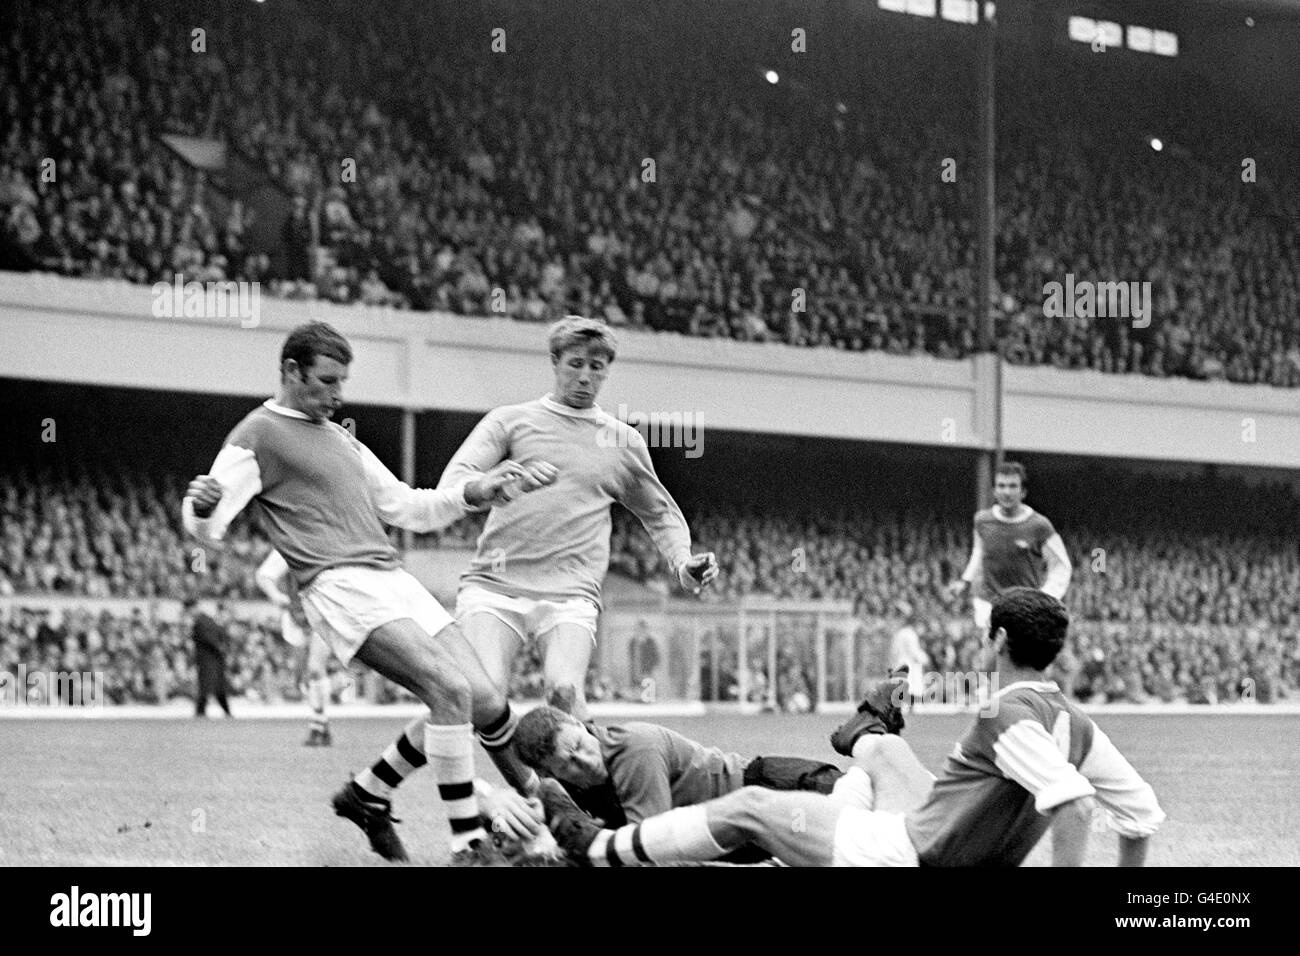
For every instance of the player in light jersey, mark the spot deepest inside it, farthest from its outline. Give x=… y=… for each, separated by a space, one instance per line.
x=1009 y=547
x=1031 y=761
x=323 y=498
x=541 y=560
x=906 y=653
x=276 y=582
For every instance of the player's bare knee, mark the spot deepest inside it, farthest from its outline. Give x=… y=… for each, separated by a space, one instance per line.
x=488 y=702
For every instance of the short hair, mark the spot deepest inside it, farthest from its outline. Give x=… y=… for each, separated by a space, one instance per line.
x=535 y=734
x=1013 y=468
x=574 y=331
x=312 y=339
x=1036 y=625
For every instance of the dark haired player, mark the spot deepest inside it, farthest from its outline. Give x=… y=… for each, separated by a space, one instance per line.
x=1010 y=546
x=626 y=774
x=323 y=498
x=1031 y=761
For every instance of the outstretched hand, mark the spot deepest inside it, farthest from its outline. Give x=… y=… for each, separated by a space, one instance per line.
x=512 y=815
x=508 y=480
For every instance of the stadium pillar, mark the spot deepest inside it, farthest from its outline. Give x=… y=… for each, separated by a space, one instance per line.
x=408 y=464
x=985 y=251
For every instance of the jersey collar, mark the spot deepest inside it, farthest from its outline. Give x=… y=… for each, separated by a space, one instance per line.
x=1023 y=516
x=1042 y=686
x=561 y=409
x=272 y=405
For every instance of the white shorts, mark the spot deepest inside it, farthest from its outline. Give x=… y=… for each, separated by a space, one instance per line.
x=983 y=611
x=293 y=635
x=318 y=655
x=344 y=605
x=872 y=838
x=318 y=652
x=527 y=617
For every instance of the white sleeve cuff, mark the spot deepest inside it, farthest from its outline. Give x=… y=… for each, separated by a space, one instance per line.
x=1063 y=791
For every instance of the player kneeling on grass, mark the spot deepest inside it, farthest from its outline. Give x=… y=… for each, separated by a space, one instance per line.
x=1032 y=760
x=624 y=775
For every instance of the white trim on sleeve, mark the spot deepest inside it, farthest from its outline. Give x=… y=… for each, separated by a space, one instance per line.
x=1132 y=805
x=1058 y=567
x=241 y=479
x=417 y=509
x=1028 y=754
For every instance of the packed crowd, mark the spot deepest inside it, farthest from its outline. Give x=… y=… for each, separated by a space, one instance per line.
x=143 y=658
x=112 y=535
x=788 y=217
x=1163 y=610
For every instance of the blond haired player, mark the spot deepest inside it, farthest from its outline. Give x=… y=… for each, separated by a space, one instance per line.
x=541 y=559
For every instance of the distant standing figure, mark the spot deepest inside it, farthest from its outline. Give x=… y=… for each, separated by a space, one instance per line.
x=644 y=653
x=210 y=645
x=905 y=650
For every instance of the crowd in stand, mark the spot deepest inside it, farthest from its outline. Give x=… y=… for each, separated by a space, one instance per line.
x=453 y=183
x=143 y=658
x=1161 y=611
x=483 y=190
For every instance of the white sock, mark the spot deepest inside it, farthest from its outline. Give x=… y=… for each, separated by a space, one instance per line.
x=676 y=836
x=855 y=789
x=318 y=695
x=450 y=749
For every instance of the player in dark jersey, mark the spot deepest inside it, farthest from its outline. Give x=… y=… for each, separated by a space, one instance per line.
x=323 y=499
x=1032 y=760
x=629 y=773
x=1009 y=547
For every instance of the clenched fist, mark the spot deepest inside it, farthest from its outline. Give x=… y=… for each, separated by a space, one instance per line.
x=206 y=492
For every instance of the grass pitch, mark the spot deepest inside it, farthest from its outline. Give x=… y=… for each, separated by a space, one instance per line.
x=108 y=792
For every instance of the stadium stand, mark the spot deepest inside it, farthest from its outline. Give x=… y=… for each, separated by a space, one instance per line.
x=1163 y=610
x=481 y=193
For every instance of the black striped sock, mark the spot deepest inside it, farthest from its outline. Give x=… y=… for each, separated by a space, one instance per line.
x=451 y=793
x=498 y=734
x=402 y=758
x=674 y=836
x=451 y=758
